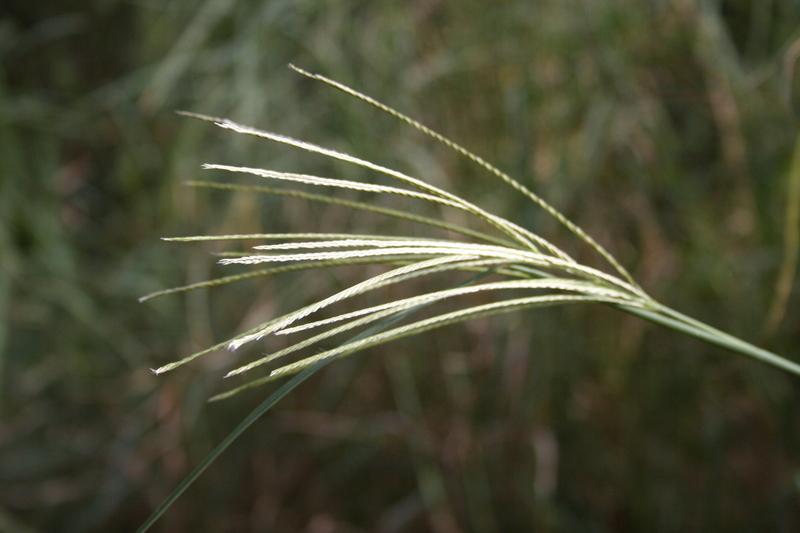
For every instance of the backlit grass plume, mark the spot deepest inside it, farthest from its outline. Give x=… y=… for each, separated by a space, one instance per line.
x=535 y=271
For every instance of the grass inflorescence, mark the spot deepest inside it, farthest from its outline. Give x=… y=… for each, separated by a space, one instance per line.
x=524 y=260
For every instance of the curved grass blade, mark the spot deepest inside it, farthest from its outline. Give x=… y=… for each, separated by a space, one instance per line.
x=265 y=406
x=221 y=447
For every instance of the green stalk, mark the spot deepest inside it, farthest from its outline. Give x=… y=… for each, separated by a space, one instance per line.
x=674 y=320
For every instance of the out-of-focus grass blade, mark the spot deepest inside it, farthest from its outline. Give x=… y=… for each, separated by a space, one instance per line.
x=791 y=247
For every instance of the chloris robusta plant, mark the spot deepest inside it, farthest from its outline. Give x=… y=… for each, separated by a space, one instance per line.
x=503 y=258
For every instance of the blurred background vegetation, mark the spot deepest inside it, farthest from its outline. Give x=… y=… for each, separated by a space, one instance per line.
x=666 y=128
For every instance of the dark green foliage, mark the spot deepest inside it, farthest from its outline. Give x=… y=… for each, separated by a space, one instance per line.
x=665 y=128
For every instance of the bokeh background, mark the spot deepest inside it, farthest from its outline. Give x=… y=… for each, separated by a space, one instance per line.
x=665 y=128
